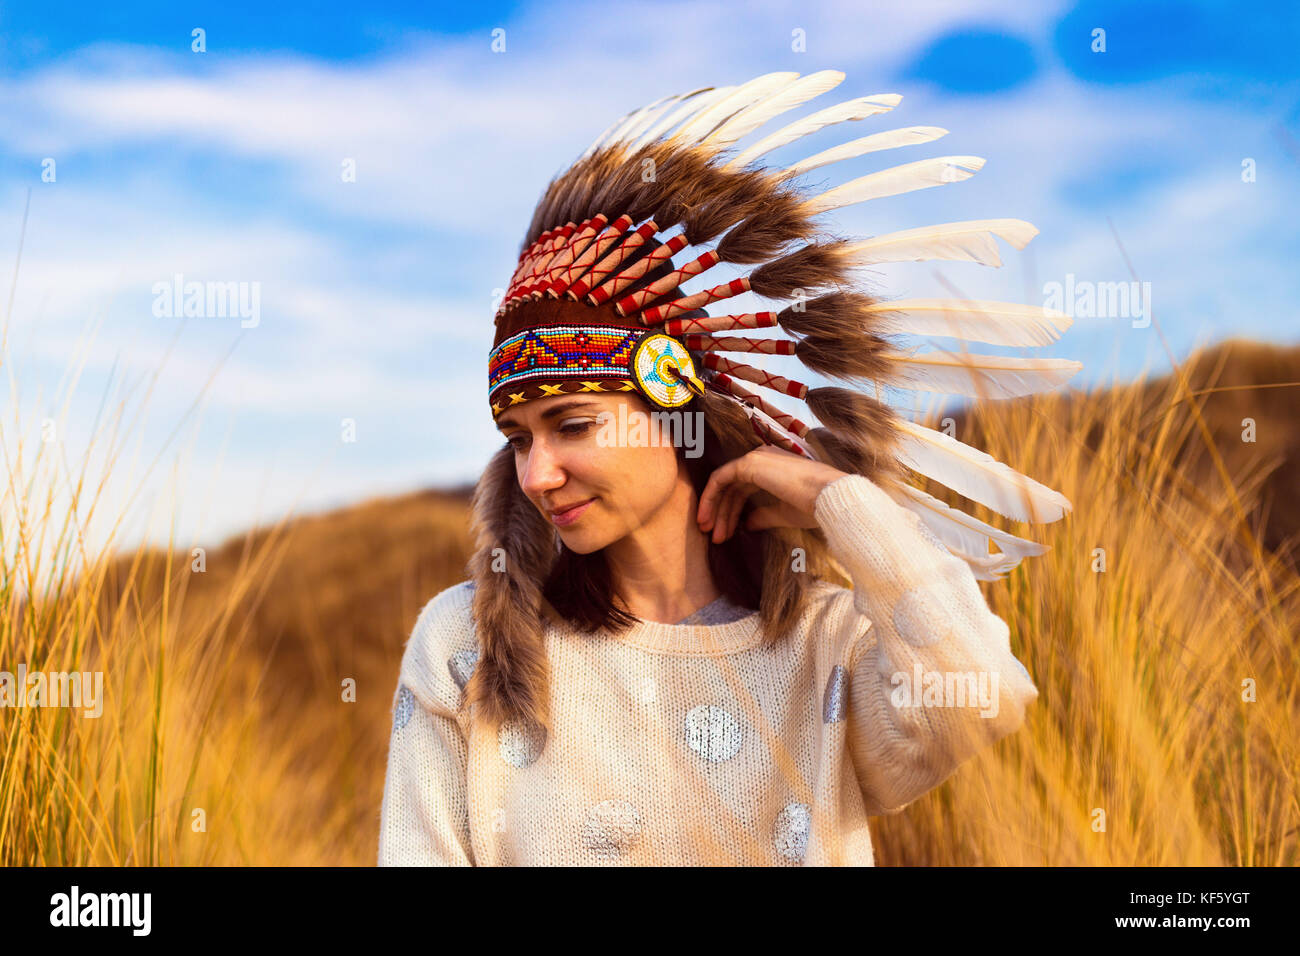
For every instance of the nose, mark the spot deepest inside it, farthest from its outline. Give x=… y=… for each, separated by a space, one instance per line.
x=543 y=470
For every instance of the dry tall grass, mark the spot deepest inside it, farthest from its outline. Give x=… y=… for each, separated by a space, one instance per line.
x=1141 y=726
x=225 y=688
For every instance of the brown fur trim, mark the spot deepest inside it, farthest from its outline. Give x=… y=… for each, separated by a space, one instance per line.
x=849 y=355
x=837 y=340
x=681 y=181
x=852 y=458
x=828 y=315
x=860 y=433
x=674 y=185
x=814 y=266
x=512 y=672
x=767 y=230
x=736 y=197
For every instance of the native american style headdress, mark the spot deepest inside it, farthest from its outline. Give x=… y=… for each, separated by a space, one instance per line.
x=597 y=302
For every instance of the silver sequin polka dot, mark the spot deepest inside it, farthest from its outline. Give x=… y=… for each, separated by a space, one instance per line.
x=712 y=733
x=405 y=707
x=833 y=699
x=611 y=829
x=921 y=617
x=520 y=743
x=462 y=664
x=791 y=831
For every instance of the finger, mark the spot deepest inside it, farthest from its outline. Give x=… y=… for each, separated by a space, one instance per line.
x=719 y=513
x=730 y=511
x=762 y=518
x=717 y=484
x=725 y=507
x=715 y=523
x=708 y=500
x=738 y=516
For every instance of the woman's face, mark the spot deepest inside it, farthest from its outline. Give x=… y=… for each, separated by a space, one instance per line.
x=571 y=450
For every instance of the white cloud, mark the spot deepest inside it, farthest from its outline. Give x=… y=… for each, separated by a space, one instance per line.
x=376 y=294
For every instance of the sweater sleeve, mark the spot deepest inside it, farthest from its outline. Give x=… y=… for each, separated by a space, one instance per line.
x=933 y=680
x=424 y=819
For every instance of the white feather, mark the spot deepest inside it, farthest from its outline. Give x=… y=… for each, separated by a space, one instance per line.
x=702 y=124
x=795 y=94
x=966 y=536
x=632 y=124
x=609 y=131
x=980 y=573
x=897 y=180
x=889 y=139
x=981 y=376
x=855 y=109
x=978 y=475
x=999 y=323
x=635 y=117
x=641 y=122
x=956 y=529
x=695 y=103
x=970 y=241
x=992 y=568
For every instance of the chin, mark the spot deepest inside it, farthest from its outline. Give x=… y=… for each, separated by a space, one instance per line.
x=588 y=536
x=583 y=542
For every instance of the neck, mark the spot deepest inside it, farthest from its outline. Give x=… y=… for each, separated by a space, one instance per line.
x=660 y=571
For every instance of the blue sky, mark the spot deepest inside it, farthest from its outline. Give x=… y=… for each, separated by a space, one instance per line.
x=377 y=295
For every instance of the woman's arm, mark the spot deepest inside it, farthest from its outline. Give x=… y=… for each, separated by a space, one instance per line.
x=934 y=679
x=424 y=820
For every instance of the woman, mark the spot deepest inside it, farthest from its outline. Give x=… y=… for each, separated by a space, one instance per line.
x=656 y=660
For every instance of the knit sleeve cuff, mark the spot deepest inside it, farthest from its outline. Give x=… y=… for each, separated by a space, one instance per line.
x=937 y=681
x=881 y=544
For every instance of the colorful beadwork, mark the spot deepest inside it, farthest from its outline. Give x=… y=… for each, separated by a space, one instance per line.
x=551 y=360
x=562 y=351
x=663 y=368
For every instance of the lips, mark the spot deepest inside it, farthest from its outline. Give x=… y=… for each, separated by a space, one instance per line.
x=567 y=514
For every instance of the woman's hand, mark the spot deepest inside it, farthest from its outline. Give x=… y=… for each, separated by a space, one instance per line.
x=787 y=485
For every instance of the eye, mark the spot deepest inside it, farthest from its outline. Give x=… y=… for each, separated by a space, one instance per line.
x=576 y=429
x=517 y=441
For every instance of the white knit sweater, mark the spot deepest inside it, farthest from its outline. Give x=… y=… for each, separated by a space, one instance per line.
x=690 y=745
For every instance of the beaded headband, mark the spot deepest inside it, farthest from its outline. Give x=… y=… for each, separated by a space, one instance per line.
x=597 y=303
x=555 y=359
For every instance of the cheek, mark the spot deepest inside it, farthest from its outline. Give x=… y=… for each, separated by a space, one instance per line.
x=645 y=475
x=633 y=482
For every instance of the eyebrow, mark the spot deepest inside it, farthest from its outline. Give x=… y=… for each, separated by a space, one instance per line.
x=550 y=412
